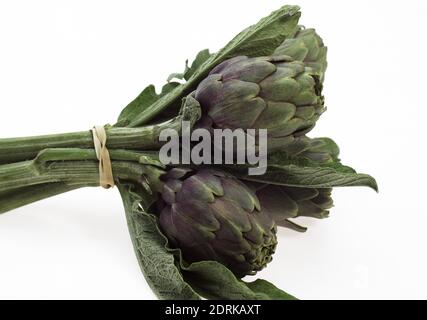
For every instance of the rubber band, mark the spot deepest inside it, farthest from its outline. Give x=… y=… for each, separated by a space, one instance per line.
x=106 y=179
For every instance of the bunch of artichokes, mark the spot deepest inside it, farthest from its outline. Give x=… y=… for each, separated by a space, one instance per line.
x=198 y=230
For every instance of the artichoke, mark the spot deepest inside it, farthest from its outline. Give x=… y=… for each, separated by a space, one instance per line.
x=211 y=215
x=280 y=93
x=276 y=93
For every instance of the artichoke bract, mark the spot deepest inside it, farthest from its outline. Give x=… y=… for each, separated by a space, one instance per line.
x=276 y=93
x=211 y=215
x=284 y=203
x=318 y=150
x=307 y=46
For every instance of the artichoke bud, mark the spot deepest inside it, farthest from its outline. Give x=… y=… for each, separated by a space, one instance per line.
x=276 y=93
x=307 y=46
x=319 y=150
x=283 y=203
x=211 y=215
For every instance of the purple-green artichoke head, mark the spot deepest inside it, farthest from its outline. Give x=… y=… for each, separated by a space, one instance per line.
x=211 y=215
x=281 y=93
x=275 y=93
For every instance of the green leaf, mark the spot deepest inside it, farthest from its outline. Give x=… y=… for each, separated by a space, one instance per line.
x=310 y=163
x=201 y=58
x=156 y=262
x=266 y=288
x=321 y=161
x=306 y=173
x=263 y=38
x=213 y=280
x=178 y=76
x=145 y=99
x=258 y=40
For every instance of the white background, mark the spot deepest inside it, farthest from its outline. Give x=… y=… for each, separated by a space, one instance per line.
x=67 y=65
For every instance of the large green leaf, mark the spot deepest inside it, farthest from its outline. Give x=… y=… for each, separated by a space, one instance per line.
x=214 y=281
x=156 y=262
x=257 y=40
x=319 y=177
x=310 y=163
x=263 y=38
x=302 y=172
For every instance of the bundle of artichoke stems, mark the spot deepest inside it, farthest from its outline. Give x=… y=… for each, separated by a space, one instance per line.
x=198 y=230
